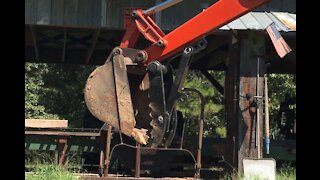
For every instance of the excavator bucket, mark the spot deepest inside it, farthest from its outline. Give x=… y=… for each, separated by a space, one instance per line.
x=107 y=96
x=131 y=99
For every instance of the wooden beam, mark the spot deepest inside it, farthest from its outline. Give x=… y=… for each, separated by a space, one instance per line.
x=75 y=40
x=93 y=45
x=61 y=133
x=46 y=123
x=34 y=38
x=211 y=60
x=231 y=100
x=52 y=40
x=213 y=81
x=73 y=55
x=250 y=120
x=214 y=42
x=64 y=44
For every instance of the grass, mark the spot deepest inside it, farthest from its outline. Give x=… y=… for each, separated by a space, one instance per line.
x=42 y=166
x=49 y=172
x=56 y=172
x=284 y=173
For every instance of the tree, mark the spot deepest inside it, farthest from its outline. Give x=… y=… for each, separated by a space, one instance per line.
x=190 y=107
x=279 y=85
x=34 y=88
x=55 y=91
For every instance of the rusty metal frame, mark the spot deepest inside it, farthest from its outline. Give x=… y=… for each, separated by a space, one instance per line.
x=138 y=147
x=150 y=148
x=201 y=122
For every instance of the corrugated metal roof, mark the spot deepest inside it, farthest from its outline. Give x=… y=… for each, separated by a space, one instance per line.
x=284 y=21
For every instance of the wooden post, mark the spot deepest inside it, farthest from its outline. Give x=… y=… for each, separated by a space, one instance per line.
x=62 y=148
x=252 y=48
x=231 y=99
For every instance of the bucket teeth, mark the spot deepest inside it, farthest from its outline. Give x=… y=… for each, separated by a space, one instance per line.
x=156 y=134
x=140 y=135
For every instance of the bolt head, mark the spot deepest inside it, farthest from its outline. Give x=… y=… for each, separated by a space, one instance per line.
x=160 y=43
x=160 y=119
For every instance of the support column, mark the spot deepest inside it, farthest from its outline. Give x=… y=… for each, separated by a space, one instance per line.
x=62 y=148
x=252 y=51
x=231 y=99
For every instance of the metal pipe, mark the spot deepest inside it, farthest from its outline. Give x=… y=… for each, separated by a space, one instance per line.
x=160 y=7
x=101 y=164
x=138 y=160
x=266 y=106
x=106 y=171
x=201 y=121
x=102 y=152
x=158 y=149
x=182 y=137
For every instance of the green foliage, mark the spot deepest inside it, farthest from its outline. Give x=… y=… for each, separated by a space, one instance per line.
x=34 y=88
x=221 y=131
x=287 y=172
x=278 y=86
x=284 y=173
x=190 y=106
x=55 y=91
x=50 y=172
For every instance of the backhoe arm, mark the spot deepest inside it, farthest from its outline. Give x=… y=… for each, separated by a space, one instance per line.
x=164 y=46
x=135 y=91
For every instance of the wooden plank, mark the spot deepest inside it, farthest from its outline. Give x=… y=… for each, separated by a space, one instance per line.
x=85 y=12
x=46 y=123
x=43 y=11
x=30 y=11
x=70 y=12
x=61 y=133
x=57 y=12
